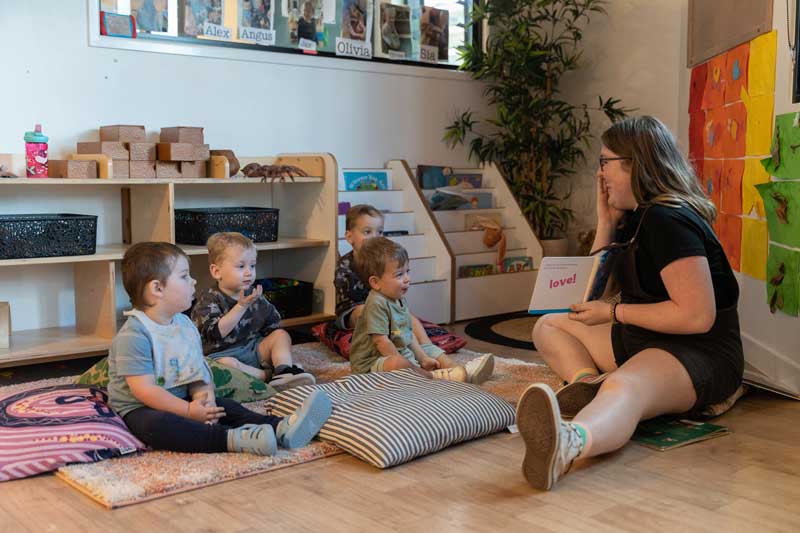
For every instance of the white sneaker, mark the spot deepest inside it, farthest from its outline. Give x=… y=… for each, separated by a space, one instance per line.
x=480 y=369
x=550 y=443
x=456 y=373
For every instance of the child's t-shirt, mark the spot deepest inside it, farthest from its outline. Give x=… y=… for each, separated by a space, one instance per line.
x=307 y=29
x=134 y=350
x=260 y=319
x=350 y=290
x=381 y=316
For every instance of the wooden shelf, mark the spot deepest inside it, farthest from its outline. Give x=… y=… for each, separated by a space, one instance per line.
x=105 y=252
x=284 y=243
x=309 y=319
x=51 y=344
x=154 y=181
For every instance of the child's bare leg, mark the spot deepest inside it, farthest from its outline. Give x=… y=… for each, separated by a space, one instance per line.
x=446 y=361
x=276 y=348
x=232 y=362
x=419 y=331
x=396 y=362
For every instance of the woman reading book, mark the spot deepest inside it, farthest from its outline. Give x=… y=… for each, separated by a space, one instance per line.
x=671 y=344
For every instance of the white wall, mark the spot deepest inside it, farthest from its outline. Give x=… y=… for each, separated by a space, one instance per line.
x=51 y=75
x=636 y=53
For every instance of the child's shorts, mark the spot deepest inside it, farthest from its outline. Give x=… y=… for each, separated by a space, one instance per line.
x=247 y=354
x=431 y=350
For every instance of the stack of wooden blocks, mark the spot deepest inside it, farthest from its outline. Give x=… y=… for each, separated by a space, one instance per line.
x=123 y=152
x=182 y=153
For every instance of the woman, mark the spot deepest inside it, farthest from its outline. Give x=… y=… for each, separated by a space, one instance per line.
x=671 y=346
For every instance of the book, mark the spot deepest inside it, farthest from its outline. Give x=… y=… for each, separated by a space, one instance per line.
x=666 y=434
x=517 y=263
x=563 y=281
x=434 y=177
x=474 y=221
x=366 y=180
x=455 y=197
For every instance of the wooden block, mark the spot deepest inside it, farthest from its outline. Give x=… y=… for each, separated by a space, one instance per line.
x=193 y=169
x=114 y=150
x=105 y=170
x=67 y=168
x=313 y=165
x=15 y=163
x=182 y=152
x=218 y=167
x=168 y=169
x=5 y=325
x=123 y=133
x=122 y=168
x=143 y=169
x=142 y=151
x=182 y=134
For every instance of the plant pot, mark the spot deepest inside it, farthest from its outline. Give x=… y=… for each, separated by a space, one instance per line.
x=554 y=247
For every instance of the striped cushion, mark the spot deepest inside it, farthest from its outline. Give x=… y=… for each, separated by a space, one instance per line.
x=43 y=429
x=389 y=418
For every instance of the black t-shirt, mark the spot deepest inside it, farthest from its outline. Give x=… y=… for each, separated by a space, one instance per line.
x=668 y=234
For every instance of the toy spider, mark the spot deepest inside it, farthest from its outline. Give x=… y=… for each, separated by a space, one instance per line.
x=269 y=173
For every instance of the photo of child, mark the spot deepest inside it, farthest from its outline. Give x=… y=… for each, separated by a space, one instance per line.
x=198 y=12
x=307 y=25
x=395 y=29
x=354 y=19
x=435 y=29
x=150 y=15
x=255 y=14
x=305 y=20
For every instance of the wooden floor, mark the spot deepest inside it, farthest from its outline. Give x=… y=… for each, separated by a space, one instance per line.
x=747 y=481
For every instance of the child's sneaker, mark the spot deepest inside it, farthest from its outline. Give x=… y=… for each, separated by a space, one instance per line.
x=456 y=373
x=480 y=369
x=297 y=429
x=575 y=396
x=291 y=376
x=253 y=438
x=550 y=443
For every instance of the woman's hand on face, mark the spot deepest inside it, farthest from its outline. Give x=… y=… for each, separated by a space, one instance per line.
x=607 y=216
x=591 y=313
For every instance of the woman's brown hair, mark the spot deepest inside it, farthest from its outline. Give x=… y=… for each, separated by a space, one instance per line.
x=660 y=174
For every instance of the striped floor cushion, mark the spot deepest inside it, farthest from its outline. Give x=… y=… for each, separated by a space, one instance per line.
x=389 y=418
x=43 y=429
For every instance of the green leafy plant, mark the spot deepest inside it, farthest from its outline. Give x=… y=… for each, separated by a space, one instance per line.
x=535 y=137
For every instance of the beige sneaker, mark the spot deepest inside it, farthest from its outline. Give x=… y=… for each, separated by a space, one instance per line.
x=575 y=396
x=456 y=373
x=480 y=369
x=550 y=443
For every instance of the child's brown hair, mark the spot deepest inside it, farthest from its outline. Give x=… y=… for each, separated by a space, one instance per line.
x=219 y=243
x=357 y=211
x=376 y=253
x=144 y=262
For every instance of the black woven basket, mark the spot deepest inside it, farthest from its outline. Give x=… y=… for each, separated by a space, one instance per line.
x=291 y=297
x=196 y=225
x=51 y=235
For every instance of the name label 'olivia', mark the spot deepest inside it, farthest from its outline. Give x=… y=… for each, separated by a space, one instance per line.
x=564 y=281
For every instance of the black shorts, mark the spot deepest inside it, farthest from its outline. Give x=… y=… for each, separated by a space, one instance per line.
x=713 y=360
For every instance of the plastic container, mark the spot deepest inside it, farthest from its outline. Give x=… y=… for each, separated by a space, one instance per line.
x=196 y=225
x=291 y=297
x=48 y=235
x=36 y=153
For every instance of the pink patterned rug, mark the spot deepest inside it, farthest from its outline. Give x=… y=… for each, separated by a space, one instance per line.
x=135 y=479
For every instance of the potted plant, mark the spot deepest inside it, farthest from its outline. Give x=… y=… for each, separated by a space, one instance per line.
x=535 y=137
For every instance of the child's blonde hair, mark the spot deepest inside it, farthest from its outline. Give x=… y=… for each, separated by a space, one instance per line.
x=355 y=212
x=376 y=254
x=219 y=243
x=144 y=262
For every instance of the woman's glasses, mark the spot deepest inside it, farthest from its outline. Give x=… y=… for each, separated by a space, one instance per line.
x=604 y=160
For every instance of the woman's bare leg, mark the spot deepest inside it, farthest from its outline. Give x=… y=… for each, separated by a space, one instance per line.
x=568 y=346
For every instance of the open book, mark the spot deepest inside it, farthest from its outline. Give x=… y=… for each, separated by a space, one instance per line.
x=563 y=281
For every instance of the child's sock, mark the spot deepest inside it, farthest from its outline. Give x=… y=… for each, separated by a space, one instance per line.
x=584 y=373
x=297 y=430
x=253 y=438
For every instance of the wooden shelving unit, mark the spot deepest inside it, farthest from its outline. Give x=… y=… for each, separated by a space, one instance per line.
x=305 y=249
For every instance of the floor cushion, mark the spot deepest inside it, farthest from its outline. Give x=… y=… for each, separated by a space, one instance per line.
x=45 y=428
x=388 y=418
x=228 y=382
x=339 y=340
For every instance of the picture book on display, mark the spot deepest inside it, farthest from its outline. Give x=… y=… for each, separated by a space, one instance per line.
x=366 y=180
x=563 y=281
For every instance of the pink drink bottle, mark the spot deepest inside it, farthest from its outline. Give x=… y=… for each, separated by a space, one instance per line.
x=36 y=153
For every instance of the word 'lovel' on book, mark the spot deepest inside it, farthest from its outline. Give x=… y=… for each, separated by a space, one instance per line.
x=563 y=281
